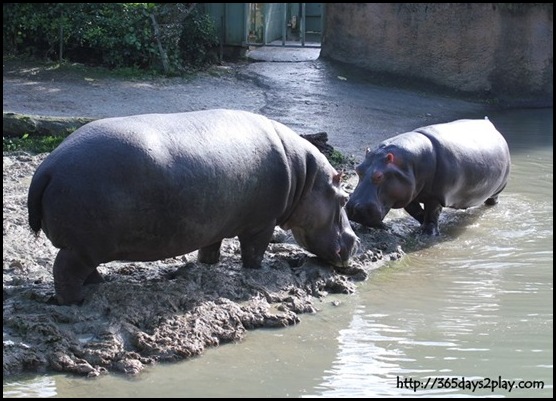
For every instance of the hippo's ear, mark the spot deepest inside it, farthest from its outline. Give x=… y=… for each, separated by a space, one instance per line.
x=367 y=151
x=389 y=158
x=337 y=178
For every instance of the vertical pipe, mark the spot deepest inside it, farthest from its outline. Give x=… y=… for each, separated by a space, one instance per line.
x=302 y=25
x=246 y=22
x=284 y=23
x=322 y=22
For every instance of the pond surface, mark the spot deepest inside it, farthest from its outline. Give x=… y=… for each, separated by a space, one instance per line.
x=471 y=308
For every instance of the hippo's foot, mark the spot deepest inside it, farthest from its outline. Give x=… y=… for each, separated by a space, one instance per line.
x=430 y=229
x=253 y=247
x=209 y=254
x=491 y=201
x=65 y=301
x=71 y=270
x=252 y=258
x=59 y=301
x=69 y=293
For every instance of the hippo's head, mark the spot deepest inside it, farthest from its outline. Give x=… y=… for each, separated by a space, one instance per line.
x=385 y=182
x=319 y=223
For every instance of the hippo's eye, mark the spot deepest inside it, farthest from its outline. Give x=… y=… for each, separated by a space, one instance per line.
x=377 y=177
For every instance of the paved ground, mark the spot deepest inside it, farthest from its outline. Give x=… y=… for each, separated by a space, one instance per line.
x=284 y=54
x=296 y=87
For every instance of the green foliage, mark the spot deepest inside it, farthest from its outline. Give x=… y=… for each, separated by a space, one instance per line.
x=339 y=160
x=199 y=40
x=28 y=27
x=33 y=144
x=144 y=36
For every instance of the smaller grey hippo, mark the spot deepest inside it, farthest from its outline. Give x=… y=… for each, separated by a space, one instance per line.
x=459 y=164
x=154 y=186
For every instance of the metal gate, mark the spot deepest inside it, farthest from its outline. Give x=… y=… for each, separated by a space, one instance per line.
x=267 y=24
x=283 y=24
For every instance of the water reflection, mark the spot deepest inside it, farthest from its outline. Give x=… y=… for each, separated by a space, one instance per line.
x=479 y=327
x=365 y=364
x=37 y=387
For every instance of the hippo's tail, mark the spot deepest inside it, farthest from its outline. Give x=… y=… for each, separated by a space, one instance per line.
x=34 y=200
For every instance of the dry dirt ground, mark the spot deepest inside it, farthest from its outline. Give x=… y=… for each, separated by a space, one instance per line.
x=161 y=311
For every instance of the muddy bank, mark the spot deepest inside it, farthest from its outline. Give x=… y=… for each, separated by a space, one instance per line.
x=155 y=312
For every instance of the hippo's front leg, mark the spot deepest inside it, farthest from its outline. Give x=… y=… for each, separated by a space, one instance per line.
x=209 y=254
x=416 y=211
x=430 y=221
x=253 y=246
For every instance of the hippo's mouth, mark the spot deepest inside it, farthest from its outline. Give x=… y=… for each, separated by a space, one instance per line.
x=368 y=222
x=367 y=216
x=337 y=254
x=340 y=263
x=373 y=221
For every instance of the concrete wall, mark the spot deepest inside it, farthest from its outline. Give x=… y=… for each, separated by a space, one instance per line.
x=501 y=50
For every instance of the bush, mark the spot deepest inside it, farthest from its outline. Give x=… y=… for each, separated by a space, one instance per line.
x=198 y=40
x=112 y=35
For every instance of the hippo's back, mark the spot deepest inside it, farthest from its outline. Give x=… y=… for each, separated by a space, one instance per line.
x=469 y=136
x=158 y=181
x=472 y=161
x=161 y=138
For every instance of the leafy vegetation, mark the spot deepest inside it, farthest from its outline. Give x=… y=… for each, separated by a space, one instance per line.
x=32 y=144
x=169 y=37
x=339 y=160
x=198 y=40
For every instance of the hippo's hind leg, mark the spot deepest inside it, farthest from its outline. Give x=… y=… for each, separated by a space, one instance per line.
x=430 y=221
x=253 y=246
x=71 y=271
x=493 y=200
x=209 y=254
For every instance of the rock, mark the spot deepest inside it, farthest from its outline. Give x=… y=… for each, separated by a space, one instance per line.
x=16 y=125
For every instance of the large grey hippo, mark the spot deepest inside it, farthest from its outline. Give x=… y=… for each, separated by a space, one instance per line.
x=149 y=187
x=458 y=165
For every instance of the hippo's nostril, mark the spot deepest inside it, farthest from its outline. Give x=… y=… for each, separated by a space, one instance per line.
x=348 y=247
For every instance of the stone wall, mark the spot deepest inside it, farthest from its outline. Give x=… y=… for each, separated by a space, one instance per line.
x=501 y=50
